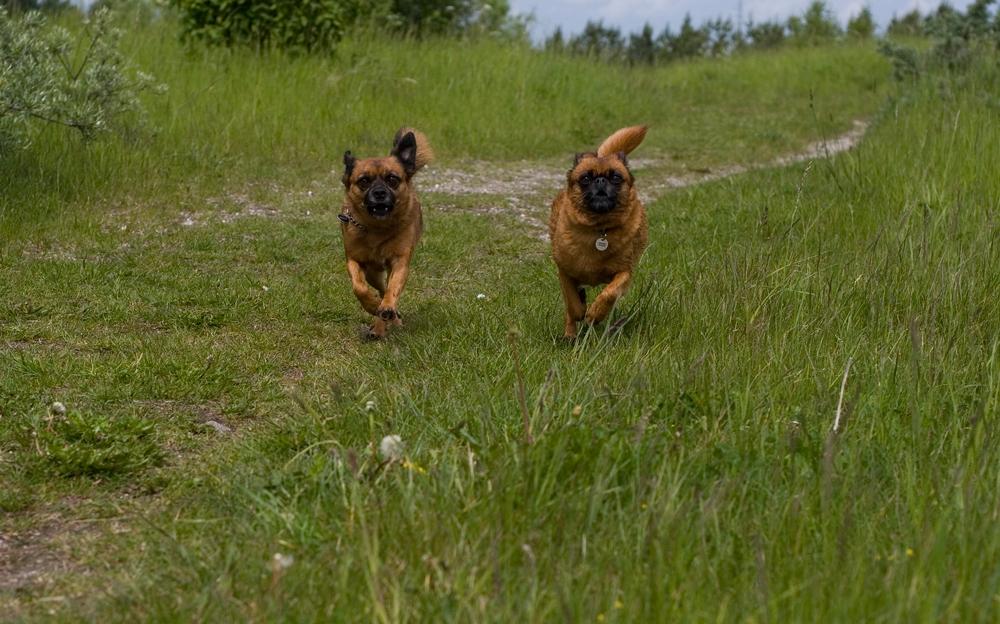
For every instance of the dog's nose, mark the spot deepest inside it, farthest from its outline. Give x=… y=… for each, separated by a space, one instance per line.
x=380 y=195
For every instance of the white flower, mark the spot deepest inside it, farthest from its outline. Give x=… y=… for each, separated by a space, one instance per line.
x=265 y=288
x=481 y=296
x=391 y=448
x=281 y=562
x=370 y=406
x=57 y=409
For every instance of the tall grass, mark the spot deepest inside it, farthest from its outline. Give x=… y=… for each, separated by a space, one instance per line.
x=683 y=469
x=232 y=116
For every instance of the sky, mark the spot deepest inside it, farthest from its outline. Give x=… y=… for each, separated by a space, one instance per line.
x=630 y=15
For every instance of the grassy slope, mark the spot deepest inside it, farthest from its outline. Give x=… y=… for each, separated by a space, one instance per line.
x=697 y=479
x=233 y=117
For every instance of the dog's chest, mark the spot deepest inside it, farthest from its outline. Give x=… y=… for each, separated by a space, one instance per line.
x=595 y=257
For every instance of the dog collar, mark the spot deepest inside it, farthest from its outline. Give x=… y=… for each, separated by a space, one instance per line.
x=601 y=244
x=346 y=217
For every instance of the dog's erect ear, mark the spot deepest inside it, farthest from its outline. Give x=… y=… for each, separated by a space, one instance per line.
x=405 y=151
x=349 y=161
x=622 y=157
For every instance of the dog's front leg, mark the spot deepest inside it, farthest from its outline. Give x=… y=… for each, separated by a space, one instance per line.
x=576 y=303
x=602 y=305
x=399 y=270
x=369 y=300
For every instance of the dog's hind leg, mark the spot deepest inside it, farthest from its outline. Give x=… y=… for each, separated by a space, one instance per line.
x=602 y=305
x=576 y=303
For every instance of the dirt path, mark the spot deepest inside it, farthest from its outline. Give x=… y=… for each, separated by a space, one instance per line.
x=527 y=186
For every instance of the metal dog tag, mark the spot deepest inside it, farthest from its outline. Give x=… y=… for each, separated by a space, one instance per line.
x=601 y=244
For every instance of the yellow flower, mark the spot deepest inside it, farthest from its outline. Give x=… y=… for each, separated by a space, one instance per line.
x=619 y=604
x=909 y=552
x=600 y=617
x=413 y=466
x=577 y=410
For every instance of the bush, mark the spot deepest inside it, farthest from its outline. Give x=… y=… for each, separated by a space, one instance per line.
x=910 y=25
x=318 y=25
x=41 y=80
x=304 y=25
x=958 y=39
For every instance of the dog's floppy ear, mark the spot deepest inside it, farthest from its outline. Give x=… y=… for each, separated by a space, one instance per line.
x=349 y=161
x=405 y=151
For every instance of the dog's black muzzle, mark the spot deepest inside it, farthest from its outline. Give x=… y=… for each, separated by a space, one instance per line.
x=601 y=196
x=379 y=200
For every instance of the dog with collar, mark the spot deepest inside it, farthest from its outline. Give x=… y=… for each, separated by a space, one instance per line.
x=598 y=228
x=381 y=223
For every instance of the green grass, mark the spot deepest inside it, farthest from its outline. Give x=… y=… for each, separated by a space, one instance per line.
x=232 y=117
x=681 y=469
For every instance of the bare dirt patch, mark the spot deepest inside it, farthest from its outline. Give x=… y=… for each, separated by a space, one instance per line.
x=526 y=186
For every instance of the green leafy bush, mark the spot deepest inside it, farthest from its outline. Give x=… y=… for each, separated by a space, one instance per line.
x=318 y=25
x=289 y=24
x=87 y=444
x=47 y=76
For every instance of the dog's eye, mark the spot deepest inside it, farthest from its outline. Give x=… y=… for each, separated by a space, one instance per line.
x=586 y=179
x=615 y=178
x=392 y=181
x=364 y=182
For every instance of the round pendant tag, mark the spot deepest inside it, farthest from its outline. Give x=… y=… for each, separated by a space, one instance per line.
x=601 y=244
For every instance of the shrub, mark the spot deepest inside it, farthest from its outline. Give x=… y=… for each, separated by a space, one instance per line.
x=958 y=38
x=41 y=80
x=303 y=25
x=910 y=25
x=318 y=25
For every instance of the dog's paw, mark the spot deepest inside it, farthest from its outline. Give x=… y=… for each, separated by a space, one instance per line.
x=388 y=314
x=371 y=333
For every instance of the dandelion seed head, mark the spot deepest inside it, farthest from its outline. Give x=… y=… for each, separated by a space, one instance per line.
x=391 y=448
x=280 y=561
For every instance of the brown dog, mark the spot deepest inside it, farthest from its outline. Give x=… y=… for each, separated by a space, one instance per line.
x=381 y=223
x=598 y=228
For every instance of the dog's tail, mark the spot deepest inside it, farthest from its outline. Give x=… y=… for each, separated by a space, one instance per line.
x=624 y=140
x=424 y=152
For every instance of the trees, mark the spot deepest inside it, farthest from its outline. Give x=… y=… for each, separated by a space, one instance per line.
x=816 y=26
x=862 y=25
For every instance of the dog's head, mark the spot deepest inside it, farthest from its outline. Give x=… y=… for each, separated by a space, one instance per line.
x=600 y=184
x=382 y=185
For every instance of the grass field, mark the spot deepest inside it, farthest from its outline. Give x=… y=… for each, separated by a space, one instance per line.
x=682 y=468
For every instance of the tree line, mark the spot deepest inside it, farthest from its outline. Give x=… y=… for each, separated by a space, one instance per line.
x=817 y=25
